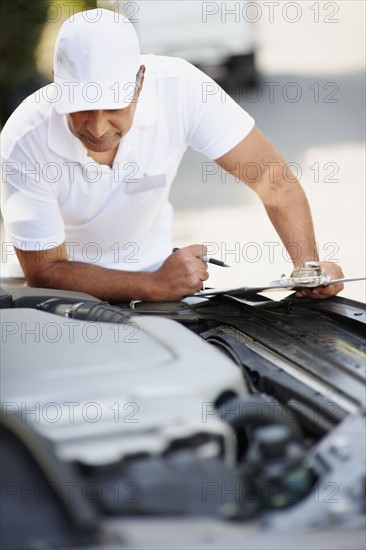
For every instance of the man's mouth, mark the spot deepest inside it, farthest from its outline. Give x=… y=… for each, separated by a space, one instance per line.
x=98 y=141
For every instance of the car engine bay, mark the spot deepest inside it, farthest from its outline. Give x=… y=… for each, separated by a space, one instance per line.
x=245 y=414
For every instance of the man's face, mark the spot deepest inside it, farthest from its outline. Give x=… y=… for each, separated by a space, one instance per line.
x=101 y=131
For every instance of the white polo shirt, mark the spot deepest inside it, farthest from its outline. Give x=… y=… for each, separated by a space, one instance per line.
x=118 y=217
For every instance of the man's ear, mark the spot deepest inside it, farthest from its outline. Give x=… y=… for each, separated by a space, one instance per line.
x=140 y=77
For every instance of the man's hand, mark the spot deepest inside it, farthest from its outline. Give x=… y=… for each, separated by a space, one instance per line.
x=182 y=274
x=319 y=293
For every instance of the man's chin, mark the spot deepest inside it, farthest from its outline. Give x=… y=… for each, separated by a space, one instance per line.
x=102 y=147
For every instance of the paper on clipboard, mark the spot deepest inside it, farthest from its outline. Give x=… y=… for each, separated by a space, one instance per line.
x=272 y=286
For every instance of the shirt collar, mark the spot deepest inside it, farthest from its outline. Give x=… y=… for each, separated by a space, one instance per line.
x=61 y=140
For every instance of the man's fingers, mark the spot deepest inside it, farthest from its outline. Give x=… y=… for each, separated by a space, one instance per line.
x=198 y=250
x=333 y=270
x=183 y=273
x=204 y=275
x=326 y=291
x=320 y=292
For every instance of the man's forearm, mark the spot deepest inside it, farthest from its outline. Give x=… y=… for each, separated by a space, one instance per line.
x=106 y=284
x=283 y=197
x=288 y=209
x=293 y=223
x=181 y=274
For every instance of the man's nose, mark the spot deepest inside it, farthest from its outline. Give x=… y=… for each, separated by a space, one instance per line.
x=97 y=123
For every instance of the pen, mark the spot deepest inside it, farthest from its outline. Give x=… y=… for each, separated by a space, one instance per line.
x=209 y=260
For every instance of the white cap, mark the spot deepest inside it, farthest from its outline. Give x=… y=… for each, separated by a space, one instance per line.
x=97 y=57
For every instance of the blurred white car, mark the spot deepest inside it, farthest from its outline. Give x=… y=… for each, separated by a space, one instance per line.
x=215 y=36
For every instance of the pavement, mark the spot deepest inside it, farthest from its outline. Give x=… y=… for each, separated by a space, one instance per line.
x=309 y=101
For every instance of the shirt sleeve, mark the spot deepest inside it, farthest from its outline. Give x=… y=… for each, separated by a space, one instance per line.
x=215 y=122
x=32 y=218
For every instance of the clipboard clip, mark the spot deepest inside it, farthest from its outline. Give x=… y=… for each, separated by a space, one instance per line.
x=310 y=274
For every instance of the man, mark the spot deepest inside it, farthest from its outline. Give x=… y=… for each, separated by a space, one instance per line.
x=89 y=160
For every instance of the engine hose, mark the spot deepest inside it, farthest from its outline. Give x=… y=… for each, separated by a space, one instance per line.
x=99 y=312
x=252 y=411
